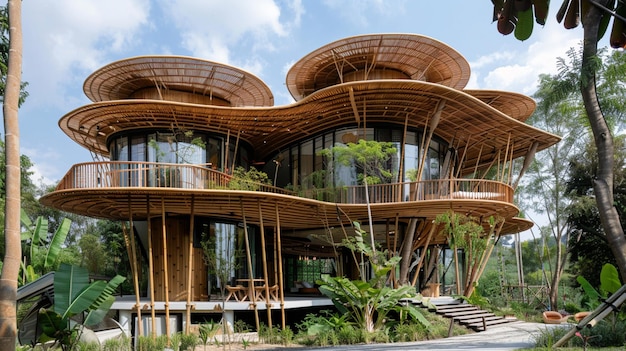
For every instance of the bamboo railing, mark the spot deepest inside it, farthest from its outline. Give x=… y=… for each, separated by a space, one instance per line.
x=187 y=176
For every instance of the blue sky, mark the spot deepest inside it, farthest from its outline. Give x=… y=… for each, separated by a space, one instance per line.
x=66 y=40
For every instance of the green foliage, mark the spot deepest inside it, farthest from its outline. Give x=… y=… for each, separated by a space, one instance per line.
x=147 y=343
x=609 y=283
x=122 y=343
x=371 y=159
x=208 y=331
x=251 y=179
x=549 y=336
x=369 y=303
x=43 y=250
x=275 y=335
x=75 y=295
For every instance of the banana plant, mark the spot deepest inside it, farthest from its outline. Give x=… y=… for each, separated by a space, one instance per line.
x=35 y=235
x=369 y=302
x=75 y=296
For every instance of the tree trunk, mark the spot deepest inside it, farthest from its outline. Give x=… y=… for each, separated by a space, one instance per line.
x=11 y=267
x=603 y=183
x=407 y=252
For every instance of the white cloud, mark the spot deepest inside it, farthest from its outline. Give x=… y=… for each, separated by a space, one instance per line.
x=518 y=71
x=362 y=12
x=210 y=29
x=66 y=38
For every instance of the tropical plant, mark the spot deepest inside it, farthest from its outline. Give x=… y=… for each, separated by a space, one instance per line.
x=370 y=158
x=369 y=303
x=43 y=252
x=251 y=179
x=609 y=284
x=75 y=296
x=518 y=16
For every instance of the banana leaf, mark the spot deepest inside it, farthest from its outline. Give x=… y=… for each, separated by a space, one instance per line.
x=524 y=27
x=57 y=242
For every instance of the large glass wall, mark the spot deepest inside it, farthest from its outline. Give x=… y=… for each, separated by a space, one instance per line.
x=224 y=249
x=302 y=166
x=179 y=147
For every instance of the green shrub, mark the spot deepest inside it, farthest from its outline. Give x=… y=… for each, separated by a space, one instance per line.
x=147 y=343
x=117 y=344
x=549 y=336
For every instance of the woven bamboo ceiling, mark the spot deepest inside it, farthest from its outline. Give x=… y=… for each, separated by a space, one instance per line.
x=416 y=57
x=121 y=79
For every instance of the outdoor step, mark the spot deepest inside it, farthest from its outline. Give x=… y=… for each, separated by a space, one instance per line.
x=478 y=319
x=474 y=314
x=455 y=307
x=493 y=323
x=459 y=310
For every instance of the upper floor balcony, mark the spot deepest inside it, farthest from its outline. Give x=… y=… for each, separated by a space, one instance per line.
x=120 y=174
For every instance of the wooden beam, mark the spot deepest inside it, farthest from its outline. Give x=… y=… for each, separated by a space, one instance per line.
x=419 y=264
x=251 y=292
x=268 y=305
x=131 y=248
x=165 y=273
x=281 y=287
x=190 y=266
x=355 y=110
x=151 y=268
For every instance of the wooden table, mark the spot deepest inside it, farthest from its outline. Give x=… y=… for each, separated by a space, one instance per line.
x=251 y=284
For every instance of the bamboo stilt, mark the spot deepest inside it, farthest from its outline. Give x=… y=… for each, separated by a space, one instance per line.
x=130 y=247
x=190 y=267
x=251 y=292
x=165 y=273
x=530 y=155
x=268 y=305
x=281 y=287
x=423 y=255
x=151 y=269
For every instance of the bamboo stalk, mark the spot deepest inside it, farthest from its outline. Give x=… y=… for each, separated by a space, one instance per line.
x=151 y=269
x=190 y=266
x=251 y=291
x=506 y=155
x=280 y=268
x=165 y=273
x=419 y=264
x=268 y=305
x=130 y=247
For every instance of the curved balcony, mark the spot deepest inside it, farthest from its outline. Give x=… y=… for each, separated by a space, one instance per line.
x=186 y=176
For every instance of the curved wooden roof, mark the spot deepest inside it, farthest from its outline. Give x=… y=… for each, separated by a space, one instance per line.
x=120 y=79
x=514 y=105
x=417 y=57
x=465 y=119
x=120 y=203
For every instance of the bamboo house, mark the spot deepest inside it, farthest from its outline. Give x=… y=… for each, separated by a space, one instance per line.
x=171 y=137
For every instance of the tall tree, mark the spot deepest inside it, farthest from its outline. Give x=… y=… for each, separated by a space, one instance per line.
x=517 y=16
x=589 y=247
x=545 y=190
x=13 y=254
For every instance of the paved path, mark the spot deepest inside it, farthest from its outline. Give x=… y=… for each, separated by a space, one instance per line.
x=511 y=336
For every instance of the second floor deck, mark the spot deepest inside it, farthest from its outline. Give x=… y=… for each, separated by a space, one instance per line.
x=120 y=174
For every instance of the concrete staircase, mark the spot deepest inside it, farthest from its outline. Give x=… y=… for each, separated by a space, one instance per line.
x=470 y=316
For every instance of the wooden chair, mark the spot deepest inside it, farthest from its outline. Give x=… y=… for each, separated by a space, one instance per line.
x=237 y=291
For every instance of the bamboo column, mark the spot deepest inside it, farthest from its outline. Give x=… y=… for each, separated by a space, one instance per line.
x=151 y=269
x=165 y=273
x=423 y=255
x=129 y=240
x=268 y=305
x=190 y=266
x=251 y=292
x=280 y=268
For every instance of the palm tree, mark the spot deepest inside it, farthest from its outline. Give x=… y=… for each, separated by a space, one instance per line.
x=13 y=255
x=516 y=16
